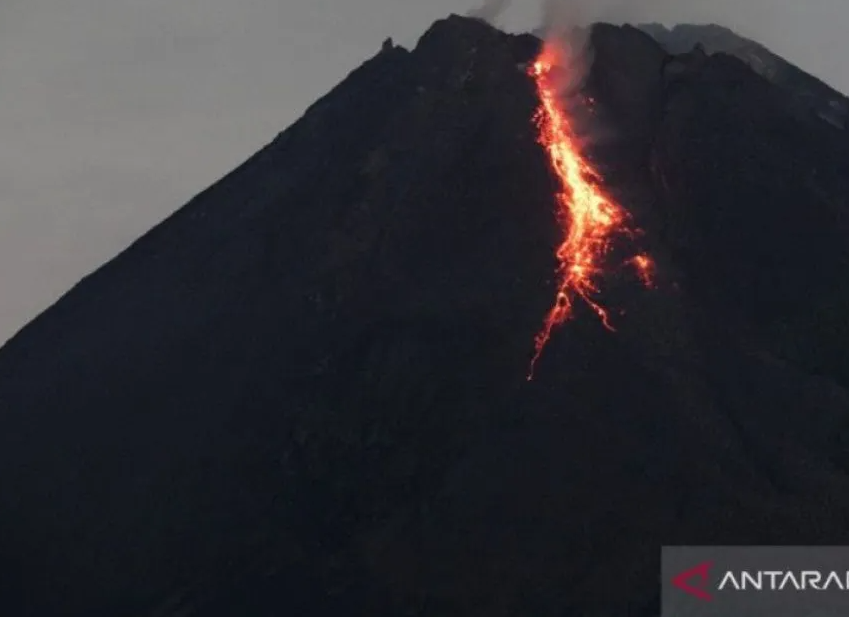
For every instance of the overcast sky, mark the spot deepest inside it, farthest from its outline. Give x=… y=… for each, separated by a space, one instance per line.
x=113 y=113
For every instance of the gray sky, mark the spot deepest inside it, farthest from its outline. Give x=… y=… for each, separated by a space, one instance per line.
x=113 y=113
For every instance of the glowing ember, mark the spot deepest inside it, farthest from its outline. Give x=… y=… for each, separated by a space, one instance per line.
x=645 y=269
x=588 y=217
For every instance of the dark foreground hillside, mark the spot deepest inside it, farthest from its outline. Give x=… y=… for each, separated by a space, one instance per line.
x=304 y=393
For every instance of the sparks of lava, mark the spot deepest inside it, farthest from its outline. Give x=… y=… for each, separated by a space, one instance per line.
x=645 y=268
x=588 y=217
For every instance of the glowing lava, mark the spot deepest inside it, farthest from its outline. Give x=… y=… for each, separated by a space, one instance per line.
x=588 y=217
x=645 y=268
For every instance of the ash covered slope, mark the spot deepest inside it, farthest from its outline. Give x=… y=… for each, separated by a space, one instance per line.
x=304 y=392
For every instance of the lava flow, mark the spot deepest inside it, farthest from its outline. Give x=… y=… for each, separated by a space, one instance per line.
x=588 y=217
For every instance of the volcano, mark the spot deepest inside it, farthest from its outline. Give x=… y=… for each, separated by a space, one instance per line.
x=305 y=393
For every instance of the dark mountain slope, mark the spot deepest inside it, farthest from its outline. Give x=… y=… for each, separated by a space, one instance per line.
x=807 y=90
x=304 y=392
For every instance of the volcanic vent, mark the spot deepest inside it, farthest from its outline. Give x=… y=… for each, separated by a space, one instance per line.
x=304 y=393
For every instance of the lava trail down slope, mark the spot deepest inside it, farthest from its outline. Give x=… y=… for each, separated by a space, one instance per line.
x=305 y=391
x=589 y=218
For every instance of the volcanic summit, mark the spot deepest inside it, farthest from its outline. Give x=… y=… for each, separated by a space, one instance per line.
x=305 y=392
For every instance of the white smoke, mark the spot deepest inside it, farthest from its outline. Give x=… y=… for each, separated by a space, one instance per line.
x=490 y=10
x=562 y=24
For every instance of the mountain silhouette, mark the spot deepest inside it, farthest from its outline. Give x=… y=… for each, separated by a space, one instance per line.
x=304 y=392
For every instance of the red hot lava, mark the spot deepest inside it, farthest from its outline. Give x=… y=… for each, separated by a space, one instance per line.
x=589 y=218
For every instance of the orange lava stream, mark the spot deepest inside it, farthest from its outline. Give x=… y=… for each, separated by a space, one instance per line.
x=589 y=219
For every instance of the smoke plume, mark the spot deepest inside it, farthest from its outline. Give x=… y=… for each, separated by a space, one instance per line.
x=490 y=11
x=561 y=26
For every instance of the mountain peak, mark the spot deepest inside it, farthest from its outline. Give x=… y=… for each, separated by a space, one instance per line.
x=808 y=91
x=304 y=393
